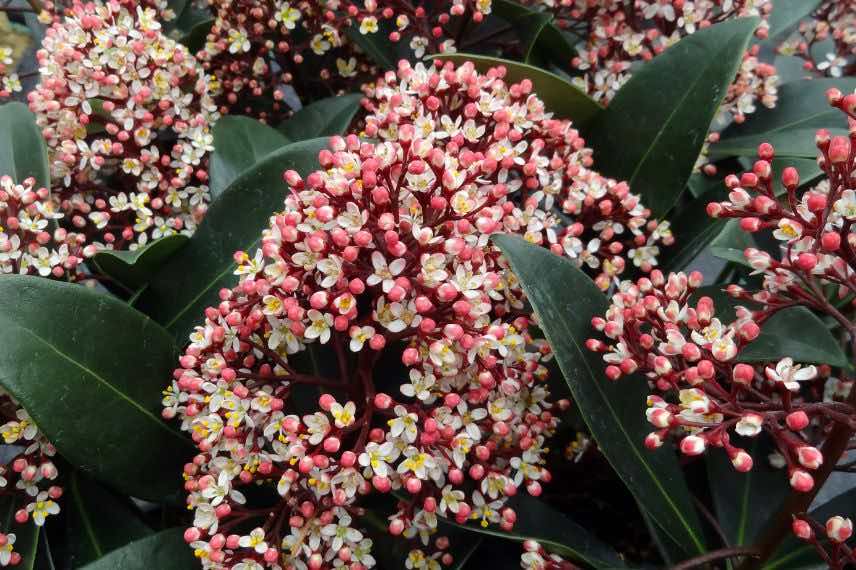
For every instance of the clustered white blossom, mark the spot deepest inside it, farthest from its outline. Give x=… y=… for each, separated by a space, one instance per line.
x=28 y=243
x=620 y=34
x=365 y=258
x=127 y=118
x=540 y=164
x=27 y=476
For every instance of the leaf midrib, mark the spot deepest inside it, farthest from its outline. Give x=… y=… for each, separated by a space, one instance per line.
x=122 y=395
x=675 y=109
x=84 y=516
x=612 y=412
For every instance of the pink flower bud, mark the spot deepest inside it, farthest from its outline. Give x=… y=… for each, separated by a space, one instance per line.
x=802 y=529
x=693 y=445
x=839 y=529
x=809 y=457
x=797 y=420
x=801 y=481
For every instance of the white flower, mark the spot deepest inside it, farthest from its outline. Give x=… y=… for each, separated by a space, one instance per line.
x=255 y=540
x=789 y=374
x=384 y=273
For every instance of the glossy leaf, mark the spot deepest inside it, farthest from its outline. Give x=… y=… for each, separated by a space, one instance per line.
x=792 y=143
x=787 y=15
x=731 y=242
x=377 y=46
x=653 y=130
x=798 y=333
x=801 y=105
x=165 y=550
x=89 y=369
x=560 y=97
x=191 y=27
x=539 y=36
x=133 y=269
x=331 y=116
x=536 y=520
x=744 y=502
x=100 y=521
x=695 y=228
x=239 y=143
x=565 y=300
x=22 y=148
x=191 y=280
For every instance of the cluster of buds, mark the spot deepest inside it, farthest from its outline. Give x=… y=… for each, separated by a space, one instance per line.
x=534 y=557
x=26 y=474
x=28 y=243
x=832 y=21
x=366 y=259
x=658 y=327
x=127 y=118
x=53 y=11
x=619 y=34
x=9 y=81
x=257 y=47
x=815 y=229
x=537 y=168
x=837 y=530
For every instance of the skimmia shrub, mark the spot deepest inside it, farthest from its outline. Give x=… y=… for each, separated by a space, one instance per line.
x=305 y=285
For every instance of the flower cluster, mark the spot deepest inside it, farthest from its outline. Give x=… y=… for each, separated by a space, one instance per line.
x=126 y=116
x=619 y=34
x=256 y=47
x=658 y=326
x=9 y=81
x=534 y=557
x=27 y=475
x=537 y=167
x=28 y=245
x=53 y=11
x=366 y=259
x=833 y=21
x=837 y=530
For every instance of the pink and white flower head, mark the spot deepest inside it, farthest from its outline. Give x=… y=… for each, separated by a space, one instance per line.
x=29 y=244
x=257 y=47
x=537 y=167
x=54 y=10
x=364 y=262
x=703 y=395
x=27 y=475
x=127 y=119
x=619 y=35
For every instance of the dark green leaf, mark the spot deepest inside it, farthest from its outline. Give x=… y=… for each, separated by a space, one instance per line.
x=541 y=38
x=536 y=520
x=190 y=281
x=801 y=104
x=745 y=502
x=377 y=46
x=133 y=269
x=794 y=553
x=653 y=130
x=792 y=143
x=89 y=369
x=560 y=97
x=331 y=116
x=239 y=143
x=191 y=27
x=22 y=148
x=731 y=243
x=165 y=550
x=565 y=300
x=798 y=333
x=787 y=14
x=694 y=229
x=100 y=520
